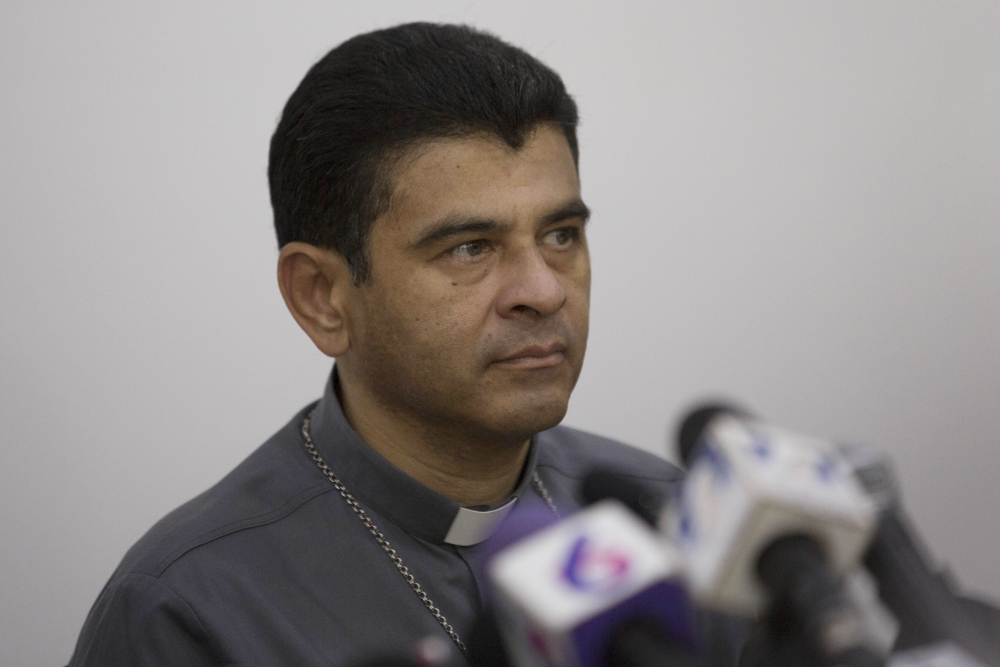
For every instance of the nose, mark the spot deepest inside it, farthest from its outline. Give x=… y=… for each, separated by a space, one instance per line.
x=531 y=288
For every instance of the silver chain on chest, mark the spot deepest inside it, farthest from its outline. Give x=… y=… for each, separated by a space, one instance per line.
x=384 y=543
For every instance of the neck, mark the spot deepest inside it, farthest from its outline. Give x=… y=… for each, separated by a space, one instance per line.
x=469 y=469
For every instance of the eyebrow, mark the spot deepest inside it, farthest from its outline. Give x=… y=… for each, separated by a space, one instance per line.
x=457 y=224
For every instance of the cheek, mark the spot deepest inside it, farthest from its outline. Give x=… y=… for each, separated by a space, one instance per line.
x=578 y=307
x=583 y=272
x=578 y=286
x=441 y=321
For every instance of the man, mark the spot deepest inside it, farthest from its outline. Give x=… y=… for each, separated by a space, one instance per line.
x=427 y=204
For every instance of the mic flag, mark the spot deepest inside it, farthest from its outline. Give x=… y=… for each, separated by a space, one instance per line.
x=563 y=593
x=749 y=484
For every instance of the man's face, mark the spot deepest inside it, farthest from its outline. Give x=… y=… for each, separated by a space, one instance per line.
x=475 y=315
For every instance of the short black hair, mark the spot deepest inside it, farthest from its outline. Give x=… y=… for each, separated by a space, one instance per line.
x=363 y=104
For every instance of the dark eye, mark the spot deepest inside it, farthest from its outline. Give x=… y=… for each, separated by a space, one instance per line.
x=562 y=236
x=469 y=249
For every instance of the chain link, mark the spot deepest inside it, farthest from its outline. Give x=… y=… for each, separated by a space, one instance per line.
x=379 y=537
x=384 y=543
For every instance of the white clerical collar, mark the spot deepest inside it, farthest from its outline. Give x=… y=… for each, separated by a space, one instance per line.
x=473 y=526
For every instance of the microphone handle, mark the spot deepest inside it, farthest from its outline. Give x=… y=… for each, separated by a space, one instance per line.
x=804 y=590
x=927 y=610
x=640 y=644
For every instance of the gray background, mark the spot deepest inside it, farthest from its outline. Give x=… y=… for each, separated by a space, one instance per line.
x=796 y=204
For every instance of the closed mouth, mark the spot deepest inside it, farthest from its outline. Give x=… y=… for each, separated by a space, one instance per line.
x=536 y=356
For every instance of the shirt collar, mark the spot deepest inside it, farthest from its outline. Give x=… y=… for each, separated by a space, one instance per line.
x=394 y=494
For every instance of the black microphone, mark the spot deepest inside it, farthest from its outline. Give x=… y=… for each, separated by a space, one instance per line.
x=927 y=609
x=644 y=499
x=485 y=643
x=693 y=426
x=644 y=644
x=768 y=519
x=720 y=637
x=431 y=651
x=390 y=661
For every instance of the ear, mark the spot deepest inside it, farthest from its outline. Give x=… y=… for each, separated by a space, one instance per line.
x=315 y=284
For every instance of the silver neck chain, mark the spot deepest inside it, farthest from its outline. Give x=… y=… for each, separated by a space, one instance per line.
x=384 y=543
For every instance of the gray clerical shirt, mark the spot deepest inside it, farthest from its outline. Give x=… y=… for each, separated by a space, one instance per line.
x=271 y=566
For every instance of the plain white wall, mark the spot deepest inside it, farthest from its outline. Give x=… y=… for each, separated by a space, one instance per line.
x=796 y=204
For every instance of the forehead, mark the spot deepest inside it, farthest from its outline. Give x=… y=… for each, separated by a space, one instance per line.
x=482 y=176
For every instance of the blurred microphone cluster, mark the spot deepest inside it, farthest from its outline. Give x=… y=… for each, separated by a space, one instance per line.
x=798 y=548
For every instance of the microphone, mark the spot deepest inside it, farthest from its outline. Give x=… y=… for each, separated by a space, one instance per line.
x=928 y=611
x=597 y=589
x=431 y=651
x=720 y=637
x=484 y=643
x=644 y=499
x=642 y=644
x=767 y=521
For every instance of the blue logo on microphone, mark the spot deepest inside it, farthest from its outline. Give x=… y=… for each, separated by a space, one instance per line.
x=826 y=468
x=710 y=454
x=595 y=569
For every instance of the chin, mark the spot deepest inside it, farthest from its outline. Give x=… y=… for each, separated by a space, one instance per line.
x=524 y=418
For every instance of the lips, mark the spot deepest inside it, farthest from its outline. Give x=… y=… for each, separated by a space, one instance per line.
x=535 y=356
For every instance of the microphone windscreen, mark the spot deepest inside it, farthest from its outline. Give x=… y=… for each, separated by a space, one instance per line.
x=390 y=661
x=643 y=499
x=485 y=643
x=694 y=425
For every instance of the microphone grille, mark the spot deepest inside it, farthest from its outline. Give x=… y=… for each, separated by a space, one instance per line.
x=695 y=423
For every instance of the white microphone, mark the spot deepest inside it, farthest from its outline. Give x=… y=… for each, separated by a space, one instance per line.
x=573 y=594
x=942 y=654
x=767 y=518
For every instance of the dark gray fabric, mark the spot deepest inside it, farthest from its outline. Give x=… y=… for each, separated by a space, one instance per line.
x=271 y=567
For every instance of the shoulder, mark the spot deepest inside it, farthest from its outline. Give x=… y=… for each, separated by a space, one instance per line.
x=268 y=486
x=138 y=620
x=574 y=453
